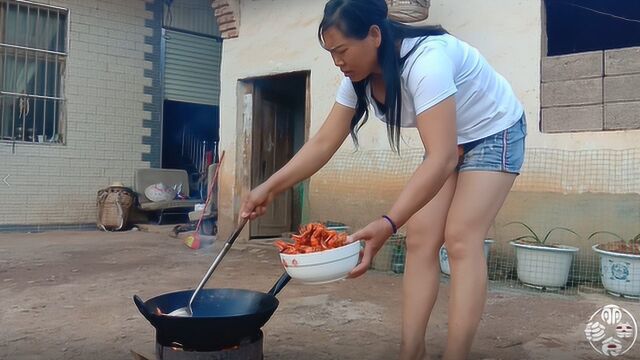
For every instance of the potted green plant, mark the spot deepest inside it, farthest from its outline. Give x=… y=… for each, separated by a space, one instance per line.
x=541 y=264
x=444 y=256
x=619 y=264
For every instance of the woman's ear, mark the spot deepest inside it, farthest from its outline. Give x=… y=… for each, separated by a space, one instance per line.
x=375 y=35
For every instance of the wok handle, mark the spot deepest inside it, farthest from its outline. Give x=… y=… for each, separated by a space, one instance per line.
x=282 y=281
x=142 y=308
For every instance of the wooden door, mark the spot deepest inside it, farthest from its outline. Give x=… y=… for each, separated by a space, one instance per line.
x=272 y=148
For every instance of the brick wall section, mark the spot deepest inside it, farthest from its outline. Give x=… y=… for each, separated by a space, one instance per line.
x=227 y=14
x=592 y=91
x=106 y=107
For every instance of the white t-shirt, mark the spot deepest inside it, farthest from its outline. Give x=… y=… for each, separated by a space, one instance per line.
x=442 y=66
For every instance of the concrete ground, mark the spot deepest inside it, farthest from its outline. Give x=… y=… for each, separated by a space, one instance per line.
x=68 y=296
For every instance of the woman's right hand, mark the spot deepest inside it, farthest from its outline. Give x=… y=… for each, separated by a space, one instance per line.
x=255 y=204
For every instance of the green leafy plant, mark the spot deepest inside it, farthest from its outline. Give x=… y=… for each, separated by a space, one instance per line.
x=535 y=237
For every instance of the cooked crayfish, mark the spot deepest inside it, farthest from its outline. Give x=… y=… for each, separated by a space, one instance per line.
x=312 y=238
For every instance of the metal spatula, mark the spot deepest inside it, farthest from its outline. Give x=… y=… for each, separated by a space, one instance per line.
x=187 y=311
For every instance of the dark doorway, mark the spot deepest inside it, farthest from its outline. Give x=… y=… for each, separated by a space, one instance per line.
x=191 y=133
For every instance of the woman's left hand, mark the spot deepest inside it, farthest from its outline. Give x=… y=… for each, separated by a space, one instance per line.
x=374 y=235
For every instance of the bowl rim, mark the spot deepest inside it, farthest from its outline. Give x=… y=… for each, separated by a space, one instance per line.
x=321 y=263
x=323 y=251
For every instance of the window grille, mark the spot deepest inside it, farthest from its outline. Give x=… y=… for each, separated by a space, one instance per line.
x=33 y=57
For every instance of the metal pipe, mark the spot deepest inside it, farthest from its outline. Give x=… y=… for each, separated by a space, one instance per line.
x=46 y=78
x=204 y=156
x=193 y=149
x=26 y=90
x=198 y=157
x=13 y=124
x=18 y=47
x=196 y=150
x=31 y=96
x=35 y=82
x=55 y=80
x=15 y=75
x=196 y=161
x=54 y=121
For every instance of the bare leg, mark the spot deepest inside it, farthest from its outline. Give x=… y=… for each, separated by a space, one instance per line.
x=421 y=279
x=478 y=198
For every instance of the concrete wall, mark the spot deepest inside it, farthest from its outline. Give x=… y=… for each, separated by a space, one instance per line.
x=280 y=36
x=109 y=69
x=591 y=91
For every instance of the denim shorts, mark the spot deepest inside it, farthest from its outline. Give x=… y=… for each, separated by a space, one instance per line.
x=501 y=152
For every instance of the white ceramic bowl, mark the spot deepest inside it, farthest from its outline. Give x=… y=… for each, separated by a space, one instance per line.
x=324 y=266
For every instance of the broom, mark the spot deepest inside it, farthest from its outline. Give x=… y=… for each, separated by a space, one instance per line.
x=193 y=241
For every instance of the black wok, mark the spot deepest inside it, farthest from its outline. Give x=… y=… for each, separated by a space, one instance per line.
x=221 y=317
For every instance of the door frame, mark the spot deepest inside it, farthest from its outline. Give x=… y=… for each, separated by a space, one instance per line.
x=244 y=140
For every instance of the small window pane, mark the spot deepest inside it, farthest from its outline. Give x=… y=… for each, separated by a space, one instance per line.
x=62 y=34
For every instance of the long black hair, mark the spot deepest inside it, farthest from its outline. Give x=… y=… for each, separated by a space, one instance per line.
x=354 y=19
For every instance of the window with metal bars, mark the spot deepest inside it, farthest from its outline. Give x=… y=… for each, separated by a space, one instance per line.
x=33 y=57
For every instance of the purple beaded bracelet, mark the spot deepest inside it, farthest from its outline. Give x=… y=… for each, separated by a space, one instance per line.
x=393 y=225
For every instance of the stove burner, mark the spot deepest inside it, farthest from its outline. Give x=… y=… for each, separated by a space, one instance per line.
x=249 y=348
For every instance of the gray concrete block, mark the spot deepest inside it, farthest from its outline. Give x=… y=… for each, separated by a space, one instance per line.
x=622 y=61
x=572 y=67
x=573 y=118
x=572 y=92
x=622 y=88
x=622 y=116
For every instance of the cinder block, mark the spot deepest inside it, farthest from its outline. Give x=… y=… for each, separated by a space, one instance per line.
x=622 y=116
x=572 y=67
x=622 y=88
x=572 y=119
x=572 y=92
x=622 y=61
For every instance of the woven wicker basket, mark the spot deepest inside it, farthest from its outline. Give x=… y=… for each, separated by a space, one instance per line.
x=114 y=205
x=408 y=11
